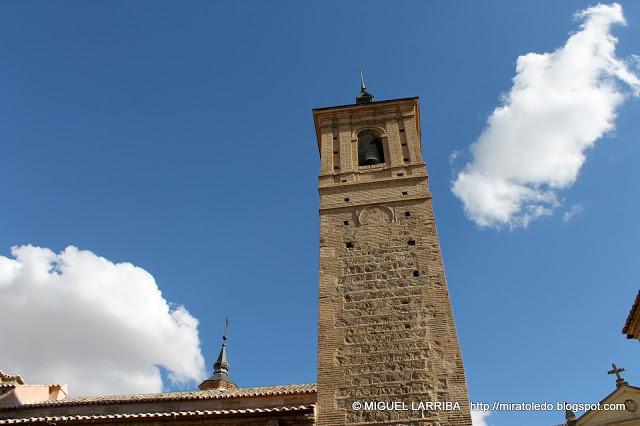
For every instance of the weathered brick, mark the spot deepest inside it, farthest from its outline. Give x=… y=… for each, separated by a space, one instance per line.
x=386 y=329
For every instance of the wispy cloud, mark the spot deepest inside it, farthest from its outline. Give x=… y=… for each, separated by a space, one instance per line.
x=454 y=156
x=534 y=144
x=98 y=326
x=569 y=214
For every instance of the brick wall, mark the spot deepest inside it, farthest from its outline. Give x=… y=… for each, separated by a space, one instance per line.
x=386 y=330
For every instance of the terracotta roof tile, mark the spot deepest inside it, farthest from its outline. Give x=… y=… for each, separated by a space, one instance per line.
x=199 y=413
x=178 y=396
x=11 y=378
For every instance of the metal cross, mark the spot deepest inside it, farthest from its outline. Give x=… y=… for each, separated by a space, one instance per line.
x=615 y=370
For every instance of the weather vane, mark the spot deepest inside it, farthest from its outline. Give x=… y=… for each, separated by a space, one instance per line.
x=226 y=328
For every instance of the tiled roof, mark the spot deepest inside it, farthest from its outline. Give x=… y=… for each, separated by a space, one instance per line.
x=10 y=378
x=300 y=409
x=633 y=314
x=178 y=396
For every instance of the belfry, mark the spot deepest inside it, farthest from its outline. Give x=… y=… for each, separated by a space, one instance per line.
x=386 y=329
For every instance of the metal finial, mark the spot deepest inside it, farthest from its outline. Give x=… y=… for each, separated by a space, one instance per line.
x=221 y=366
x=225 y=336
x=364 y=97
x=220 y=378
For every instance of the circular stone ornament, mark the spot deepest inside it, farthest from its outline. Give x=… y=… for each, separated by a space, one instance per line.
x=631 y=405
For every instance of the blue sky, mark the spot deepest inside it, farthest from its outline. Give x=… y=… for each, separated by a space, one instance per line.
x=178 y=136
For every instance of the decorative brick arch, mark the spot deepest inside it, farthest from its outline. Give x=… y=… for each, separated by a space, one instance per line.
x=377 y=129
x=375 y=215
x=380 y=134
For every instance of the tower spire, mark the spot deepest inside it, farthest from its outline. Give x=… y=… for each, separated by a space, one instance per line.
x=364 y=97
x=220 y=378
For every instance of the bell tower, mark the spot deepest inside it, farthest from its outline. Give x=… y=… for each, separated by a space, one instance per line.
x=386 y=329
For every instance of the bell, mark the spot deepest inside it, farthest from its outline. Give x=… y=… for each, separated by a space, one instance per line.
x=369 y=149
x=371 y=155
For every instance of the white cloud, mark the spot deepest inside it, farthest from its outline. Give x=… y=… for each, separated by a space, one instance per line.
x=478 y=417
x=98 y=326
x=534 y=144
x=569 y=214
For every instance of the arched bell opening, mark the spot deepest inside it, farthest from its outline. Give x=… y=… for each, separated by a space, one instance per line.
x=370 y=149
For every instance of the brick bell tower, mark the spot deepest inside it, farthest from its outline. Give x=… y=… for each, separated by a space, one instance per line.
x=386 y=329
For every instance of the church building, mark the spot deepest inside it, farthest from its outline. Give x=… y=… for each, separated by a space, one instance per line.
x=386 y=331
x=620 y=408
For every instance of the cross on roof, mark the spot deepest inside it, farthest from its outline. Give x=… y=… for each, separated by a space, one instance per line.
x=615 y=370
